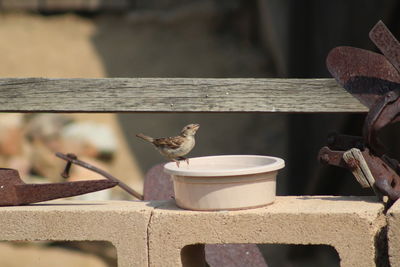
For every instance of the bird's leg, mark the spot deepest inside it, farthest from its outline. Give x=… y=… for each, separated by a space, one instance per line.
x=185 y=159
x=177 y=163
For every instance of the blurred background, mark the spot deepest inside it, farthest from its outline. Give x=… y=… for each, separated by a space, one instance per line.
x=178 y=38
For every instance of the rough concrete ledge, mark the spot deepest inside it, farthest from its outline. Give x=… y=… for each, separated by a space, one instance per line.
x=349 y=224
x=393 y=220
x=123 y=223
x=157 y=233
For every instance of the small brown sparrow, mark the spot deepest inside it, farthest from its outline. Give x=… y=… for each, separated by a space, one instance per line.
x=174 y=148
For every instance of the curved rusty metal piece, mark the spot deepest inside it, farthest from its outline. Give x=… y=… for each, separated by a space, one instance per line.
x=366 y=75
x=387 y=43
x=386 y=111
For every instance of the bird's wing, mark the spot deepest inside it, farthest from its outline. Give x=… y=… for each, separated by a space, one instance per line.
x=170 y=142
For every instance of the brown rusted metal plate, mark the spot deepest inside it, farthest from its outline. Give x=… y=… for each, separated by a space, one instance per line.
x=366 y=75
x=13 y=191
x=32 y=193
x=387 y=43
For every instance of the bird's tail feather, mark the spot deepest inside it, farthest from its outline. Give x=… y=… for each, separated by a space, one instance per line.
x=145 y=137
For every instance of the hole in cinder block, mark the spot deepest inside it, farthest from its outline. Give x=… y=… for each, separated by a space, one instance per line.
x=263 y=255
x=193 y=255
x=57 y=253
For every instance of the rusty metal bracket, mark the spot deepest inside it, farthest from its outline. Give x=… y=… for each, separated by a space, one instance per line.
x=374 y=79
x=13 y=191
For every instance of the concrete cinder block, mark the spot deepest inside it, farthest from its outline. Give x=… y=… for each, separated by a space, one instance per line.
x=123 y=223
x=349 y=224
x=393 y=218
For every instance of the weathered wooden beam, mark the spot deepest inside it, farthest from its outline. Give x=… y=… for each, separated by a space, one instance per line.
x=174 y=95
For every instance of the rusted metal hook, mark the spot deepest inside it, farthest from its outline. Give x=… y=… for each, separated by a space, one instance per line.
x=73 y=159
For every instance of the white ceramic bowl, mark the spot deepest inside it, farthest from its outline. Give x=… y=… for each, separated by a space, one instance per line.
x=228 y=182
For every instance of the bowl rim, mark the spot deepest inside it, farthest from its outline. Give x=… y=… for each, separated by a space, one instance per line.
x=277 y=164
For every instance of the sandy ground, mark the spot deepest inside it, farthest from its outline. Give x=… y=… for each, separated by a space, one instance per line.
x=32 y=255
x=60 y=46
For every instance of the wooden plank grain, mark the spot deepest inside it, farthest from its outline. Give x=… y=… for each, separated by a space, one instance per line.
x=174 y=95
